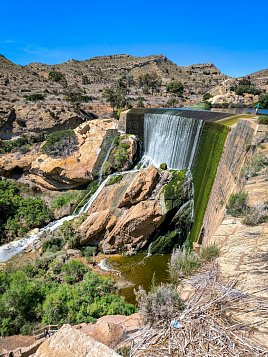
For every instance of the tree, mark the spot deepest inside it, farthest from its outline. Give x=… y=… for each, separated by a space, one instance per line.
x=264 y=101
x=176 y=88
x=150 y=82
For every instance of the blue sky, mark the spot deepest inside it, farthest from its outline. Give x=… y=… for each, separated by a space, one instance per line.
x=231 y=34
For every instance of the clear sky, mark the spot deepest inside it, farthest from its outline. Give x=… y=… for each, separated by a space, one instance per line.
x=232 y=34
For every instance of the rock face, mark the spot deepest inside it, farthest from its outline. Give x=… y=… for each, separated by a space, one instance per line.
x=69 y=342
x=112 y=330
x=141 y=187
x=75 y=164
x=78 y=168
x=127 y=214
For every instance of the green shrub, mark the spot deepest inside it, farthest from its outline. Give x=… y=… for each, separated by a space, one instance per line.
x=56 y=76
x=209 y=253
x=258 y=161
x=49 y=292
x=89 y=251
x=65 y=198
x=237 y=205
x=263 y=119
x=256 y=215
x=35 y=97
x=19 y=214
x=162 y=303
x=21 y=144
x=60 y=143
x=183 y=262
x=115 y=179
x=263 y=100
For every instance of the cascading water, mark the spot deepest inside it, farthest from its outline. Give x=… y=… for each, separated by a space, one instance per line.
x=9 y=250
x=170 y=139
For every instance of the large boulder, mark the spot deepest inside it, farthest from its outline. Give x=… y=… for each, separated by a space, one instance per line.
x=78 y=167
x=113 y=330
x=141 y=187
x=69 y=342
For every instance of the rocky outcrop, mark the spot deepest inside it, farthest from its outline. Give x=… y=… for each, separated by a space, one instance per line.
x=132 y=231
x=77 y=168
x=126 y=214
x=69 y=342
x=113 y=330
x=141 y=187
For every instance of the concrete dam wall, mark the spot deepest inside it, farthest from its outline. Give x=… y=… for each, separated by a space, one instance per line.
x=212 y=152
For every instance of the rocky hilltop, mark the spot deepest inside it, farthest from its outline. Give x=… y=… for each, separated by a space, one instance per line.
x=39 y=97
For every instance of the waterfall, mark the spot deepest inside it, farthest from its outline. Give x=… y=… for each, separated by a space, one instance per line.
x=104 y=161
x=9 y=250
x=170 y=139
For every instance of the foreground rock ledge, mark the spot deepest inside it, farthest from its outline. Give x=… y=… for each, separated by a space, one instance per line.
x=69 y=342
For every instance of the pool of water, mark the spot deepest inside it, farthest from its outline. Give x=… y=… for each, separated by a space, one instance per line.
x=140 y=270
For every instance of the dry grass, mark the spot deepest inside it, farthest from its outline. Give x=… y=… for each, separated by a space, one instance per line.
x=208 y=326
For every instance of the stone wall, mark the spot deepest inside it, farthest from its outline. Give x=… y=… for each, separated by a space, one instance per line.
x=228 y=178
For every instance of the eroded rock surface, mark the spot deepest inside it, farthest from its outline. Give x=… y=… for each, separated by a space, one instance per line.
x=69 y=342
x=127 y=214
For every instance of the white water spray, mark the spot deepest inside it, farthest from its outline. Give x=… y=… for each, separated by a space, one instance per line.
x=170 y=139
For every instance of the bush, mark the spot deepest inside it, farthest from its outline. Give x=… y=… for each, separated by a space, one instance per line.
x=89 y=251
x=263 y=119
x=115 y=179
x=263 y=100
x=256 y=215
x=60 y=143
x=237 y=205
x=48 y=292
x=209 y=253
x=35 y=97
x=175 y=88
x=20 y=144
x=183 y=262
x=65 y=198
x=19 y=214
x=258 y=161
x=56 y=76
x=162 y=303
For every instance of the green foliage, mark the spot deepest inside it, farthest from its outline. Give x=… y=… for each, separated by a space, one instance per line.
x=237 y=205
x=165 y=244
x=50 y=292
x=116 y=96
x=163 y=166
x=56 y=76
x=60 y=143
x=162 y=303
x=207 y=96
x=119 y=156
x=175 y=88
x=258 y=162
x=115 y=179
x=263 y=119
x=21 y=144
x=172 y=192
x=263 y=100
x=65 y=198
x=245 y=86
x=150 y=83
x=204 y=169
x=256 y=215
x=140 y=102
x=19 y=214
x=35 y=97
x=209 y=253
x=89 y=251
x=183 y=262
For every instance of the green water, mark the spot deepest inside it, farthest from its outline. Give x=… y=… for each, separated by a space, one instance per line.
x=140 y=270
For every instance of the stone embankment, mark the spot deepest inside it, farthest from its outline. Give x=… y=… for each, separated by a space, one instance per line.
x=239 y=147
